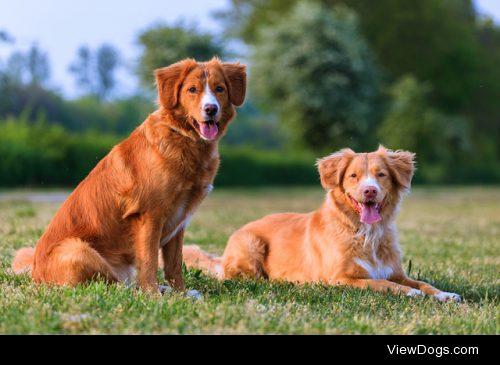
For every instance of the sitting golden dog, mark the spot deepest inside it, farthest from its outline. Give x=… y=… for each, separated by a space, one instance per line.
x=140 y=197
x=351 y=240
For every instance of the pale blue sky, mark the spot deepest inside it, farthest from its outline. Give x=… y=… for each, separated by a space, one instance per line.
x=60 y=27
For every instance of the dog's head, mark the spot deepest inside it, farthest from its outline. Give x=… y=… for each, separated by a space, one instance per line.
x=201 y=95
x=369 y=185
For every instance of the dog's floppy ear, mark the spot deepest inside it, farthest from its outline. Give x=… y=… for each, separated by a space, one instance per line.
x=332 y=168
x=169 y=81
x=401 y=165
x=236 y=79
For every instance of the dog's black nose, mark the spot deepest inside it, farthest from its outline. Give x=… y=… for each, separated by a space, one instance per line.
x=210 y=109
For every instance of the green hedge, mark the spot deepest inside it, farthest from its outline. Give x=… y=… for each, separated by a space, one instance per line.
x=41 y=155
x=35 y=155
x=244 y=166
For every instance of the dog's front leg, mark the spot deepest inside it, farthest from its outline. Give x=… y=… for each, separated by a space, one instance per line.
x=376 y=285
x=147 y=241
x=427 y=289
x=172 y=260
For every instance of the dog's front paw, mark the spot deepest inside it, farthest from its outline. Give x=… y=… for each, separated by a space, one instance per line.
x=443 y=297
x=415 y=293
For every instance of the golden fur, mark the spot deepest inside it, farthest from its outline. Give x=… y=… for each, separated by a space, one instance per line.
x=332 y=245
x=140 y=197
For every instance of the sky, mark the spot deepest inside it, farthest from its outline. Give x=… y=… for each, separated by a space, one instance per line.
x=60 y=27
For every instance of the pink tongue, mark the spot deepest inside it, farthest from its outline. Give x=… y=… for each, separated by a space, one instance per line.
x=209 y=130
x=370 y=214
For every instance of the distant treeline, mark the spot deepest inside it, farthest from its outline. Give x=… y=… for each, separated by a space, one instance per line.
x=40 y=155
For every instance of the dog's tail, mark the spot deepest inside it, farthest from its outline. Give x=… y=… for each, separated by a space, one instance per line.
x=199 y=259
x=23 y=261
x=244 y=255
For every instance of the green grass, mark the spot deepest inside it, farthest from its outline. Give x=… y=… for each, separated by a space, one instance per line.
x=451 y=236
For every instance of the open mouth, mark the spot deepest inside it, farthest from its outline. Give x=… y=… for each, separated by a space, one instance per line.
x=370 y=212
x=208 y=129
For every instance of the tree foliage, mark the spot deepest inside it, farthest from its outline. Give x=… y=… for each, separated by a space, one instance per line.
x=315 y=69
x=5 y=37
x=107 y=60
x=432 y=39
x=165 y=45
x=444 y=44
x=95 y=71
x=82 y=70
x=38 y=66
x=439 y=139
x=32 y=67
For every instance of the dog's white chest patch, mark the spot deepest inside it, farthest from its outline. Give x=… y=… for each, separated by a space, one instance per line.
x=375 y=271
x=124 y=273
x=175 y=223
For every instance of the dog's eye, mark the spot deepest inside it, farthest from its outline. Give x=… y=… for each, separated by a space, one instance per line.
x=192 y=90
x=381 y=174
x=219 y=89
x=354 y=175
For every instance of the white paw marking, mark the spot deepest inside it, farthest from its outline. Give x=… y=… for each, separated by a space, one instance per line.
x=448 y=296
x=415 y=293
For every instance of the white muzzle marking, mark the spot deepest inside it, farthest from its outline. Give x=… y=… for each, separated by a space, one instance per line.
x=209 y=98
x=370 y=181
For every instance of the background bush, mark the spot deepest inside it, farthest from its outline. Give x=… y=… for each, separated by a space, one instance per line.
x=41 y=155
x=48 y=155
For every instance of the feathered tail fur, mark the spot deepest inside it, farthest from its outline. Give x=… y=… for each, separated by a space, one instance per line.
x=23 y=262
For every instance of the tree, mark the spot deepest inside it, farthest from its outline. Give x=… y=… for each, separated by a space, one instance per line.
x=95 y=73
x=435 y=40
x=438 y=139
x=15 y=68
x=38 y=66
x=165 y=45
x=245 y=17
x=22 y=80
x=107 y=60
x=82 y=69
x=5 y=37
x=317 y=72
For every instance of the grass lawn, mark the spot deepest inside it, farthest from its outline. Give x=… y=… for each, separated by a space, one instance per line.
x=451 y=235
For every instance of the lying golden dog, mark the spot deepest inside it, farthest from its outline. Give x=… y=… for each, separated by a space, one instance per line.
x=351 y=240
x=140 y=197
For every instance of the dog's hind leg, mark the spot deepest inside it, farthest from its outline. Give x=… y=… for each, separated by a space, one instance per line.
x=72 y=261
x=244 y=255
x=195 y=257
